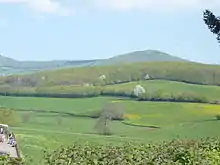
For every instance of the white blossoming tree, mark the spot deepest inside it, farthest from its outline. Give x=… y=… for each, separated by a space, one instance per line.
x=147 y=77
x=139 y=90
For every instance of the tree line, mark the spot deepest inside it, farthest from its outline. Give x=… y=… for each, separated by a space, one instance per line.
x=95 y=91
x=100 y=76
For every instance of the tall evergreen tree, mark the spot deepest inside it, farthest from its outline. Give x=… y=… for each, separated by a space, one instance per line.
x=212 y=22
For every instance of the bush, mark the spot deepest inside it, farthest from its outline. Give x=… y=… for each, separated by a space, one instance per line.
x=189 y=152
x=109 y=112
x=217 y=117
x=11 y=161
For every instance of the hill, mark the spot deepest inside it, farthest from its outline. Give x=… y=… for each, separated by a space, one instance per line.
x=12 y=66
x=139 y=56
x=105 y=75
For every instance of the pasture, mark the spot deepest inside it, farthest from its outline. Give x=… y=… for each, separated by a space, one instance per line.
x=48 y=130
x=166 y=88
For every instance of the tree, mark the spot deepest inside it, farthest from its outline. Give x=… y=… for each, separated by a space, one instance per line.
x=109 y=112
x=212 y=22
x=139 y=90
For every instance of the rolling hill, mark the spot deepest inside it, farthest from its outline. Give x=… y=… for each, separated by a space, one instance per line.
x=118 y=74
x=139 y=56
x=12 y=66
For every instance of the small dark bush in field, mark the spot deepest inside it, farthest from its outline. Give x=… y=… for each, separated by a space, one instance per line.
x=217 y=117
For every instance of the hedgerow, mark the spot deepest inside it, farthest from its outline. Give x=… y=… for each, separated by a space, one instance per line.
x=179 y=152
x=94 y=91
x=176 y=152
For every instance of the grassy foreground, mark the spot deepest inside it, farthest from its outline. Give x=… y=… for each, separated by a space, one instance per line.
x=47 y=130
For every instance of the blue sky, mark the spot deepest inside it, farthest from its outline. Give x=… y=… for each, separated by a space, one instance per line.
x=91 y=29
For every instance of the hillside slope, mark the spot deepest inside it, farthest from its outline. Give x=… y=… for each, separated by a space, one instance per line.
x=11 y=66
x=105 y=75
x=139 y=56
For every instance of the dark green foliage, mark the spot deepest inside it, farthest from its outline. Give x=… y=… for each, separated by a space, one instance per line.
x=6 y=160
x=212 y=22
x=217 y=117
x=177 y=152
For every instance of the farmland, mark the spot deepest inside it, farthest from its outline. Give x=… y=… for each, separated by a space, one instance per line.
x=54 y=112
x=48 y=130
x=85 y=107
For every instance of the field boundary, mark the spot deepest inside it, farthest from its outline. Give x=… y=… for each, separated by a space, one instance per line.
x=172 y=80
x=73 y=96
x=139 y=125
x=80 y=134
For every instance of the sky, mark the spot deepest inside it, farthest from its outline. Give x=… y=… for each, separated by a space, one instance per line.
x=96 y=29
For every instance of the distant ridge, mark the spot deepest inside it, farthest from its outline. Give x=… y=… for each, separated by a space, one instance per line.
x=140 y=56
x=12 y=66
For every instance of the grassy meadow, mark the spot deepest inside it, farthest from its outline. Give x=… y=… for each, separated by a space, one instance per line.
x=47 y=130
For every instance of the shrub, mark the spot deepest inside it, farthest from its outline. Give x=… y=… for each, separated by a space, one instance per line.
x=11 y=161
x=176 y=152
x=109 y=112
x=217 y=117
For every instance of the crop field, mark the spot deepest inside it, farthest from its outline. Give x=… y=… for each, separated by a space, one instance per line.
x=165 y=89
x=171 y=87
x=46 y=130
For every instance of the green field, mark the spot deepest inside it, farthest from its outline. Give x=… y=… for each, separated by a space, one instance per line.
x=46 y=130
x=166 y=89
x=53 y=122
